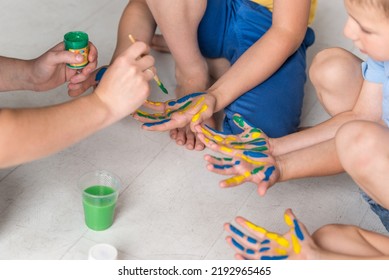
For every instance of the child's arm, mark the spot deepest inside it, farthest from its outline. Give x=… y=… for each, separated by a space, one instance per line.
x=368 y=107
x=261 y=60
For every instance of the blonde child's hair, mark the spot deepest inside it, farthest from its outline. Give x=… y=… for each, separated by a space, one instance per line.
x=382 y=5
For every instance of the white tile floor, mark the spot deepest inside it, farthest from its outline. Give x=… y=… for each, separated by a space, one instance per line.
x=171 y=207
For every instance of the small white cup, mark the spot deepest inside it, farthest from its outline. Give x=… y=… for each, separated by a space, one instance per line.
x=102 y=252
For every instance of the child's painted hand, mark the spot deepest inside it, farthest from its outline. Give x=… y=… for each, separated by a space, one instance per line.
x=265 y=245
x=191 y=109
x=249 y=156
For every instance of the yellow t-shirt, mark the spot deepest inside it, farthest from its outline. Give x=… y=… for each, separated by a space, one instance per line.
x=269 y=4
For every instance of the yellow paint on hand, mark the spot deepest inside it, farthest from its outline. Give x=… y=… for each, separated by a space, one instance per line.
x=235 y=180
x=206 y=132
x=197 y=116
x=249 y=160
x=281 y=252
x=296 y=245
x=288 y=220
x=218 y=138
x=225 y=149
x=154 y=103
x=256 y=135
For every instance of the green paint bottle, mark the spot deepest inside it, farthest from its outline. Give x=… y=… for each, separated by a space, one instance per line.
x=77 y=42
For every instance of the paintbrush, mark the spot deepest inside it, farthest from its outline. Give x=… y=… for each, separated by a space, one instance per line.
x=156 y=78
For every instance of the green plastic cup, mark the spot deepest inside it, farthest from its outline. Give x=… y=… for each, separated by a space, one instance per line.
x=77 y=42
x=100 y=191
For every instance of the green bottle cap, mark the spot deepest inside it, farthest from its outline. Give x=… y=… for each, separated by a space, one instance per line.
x=76 y=40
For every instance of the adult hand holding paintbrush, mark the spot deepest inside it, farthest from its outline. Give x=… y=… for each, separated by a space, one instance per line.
x=156 y=78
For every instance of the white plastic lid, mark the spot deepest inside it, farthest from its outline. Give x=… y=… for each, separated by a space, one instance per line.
x=102 y=252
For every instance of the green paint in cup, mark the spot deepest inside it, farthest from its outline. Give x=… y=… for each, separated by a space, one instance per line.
x=77 y=42
x=100 y=191
x=99 y=206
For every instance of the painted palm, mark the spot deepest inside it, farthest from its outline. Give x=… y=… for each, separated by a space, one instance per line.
x=171 y=114
x=266 y=245
x=248 y=154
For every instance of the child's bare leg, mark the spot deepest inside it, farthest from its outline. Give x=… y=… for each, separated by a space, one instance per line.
x=136 y=20
x=178 y=22
x=351 y=241
x=363 y=151
x=336 y=74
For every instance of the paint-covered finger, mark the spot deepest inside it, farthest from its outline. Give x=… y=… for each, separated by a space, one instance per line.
x=296 y=231
x=241 y=122
x=246 y=240
x=235 y=180
x=146 y=117
x=155 y=105
x=163 y=125
x=262 y=233
x=218 y=160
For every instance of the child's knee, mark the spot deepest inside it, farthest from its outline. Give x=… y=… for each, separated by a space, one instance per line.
x=356 y=144
x=325 y=236
x=327 y=67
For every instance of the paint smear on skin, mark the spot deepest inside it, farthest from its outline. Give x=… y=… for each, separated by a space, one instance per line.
x=217 y=138
x=150 y=116
x=156 y=123
x=268 y=173
x=256 y=130
x=154 y=103
x=206 y=132
x=264 y=249
x=257 y=142
x=273 y=258
x=288 y=220
x=281 y=252
x=225 y=149
x=294 y=224
x=221 y=167
x=255 y=154
x=256 y=228
x=273 y=236
x=214 y=130
x=223 y=159
x=256 y=170
x=197 y=116
x=250 y=252
x=239 y=120
x=181 y=109
x=249 y=160
x=185 y=98
x=251 y=240
x=298 y=230
x=236 y=231
x=295 y=244
x=237 y=245
x=237 y=179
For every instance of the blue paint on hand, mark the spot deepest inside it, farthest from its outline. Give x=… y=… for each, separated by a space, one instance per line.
x=237 y=245
x=156 y=123
x=100 y=74
x=268 y=173
x=236 y=231
x=298 y=231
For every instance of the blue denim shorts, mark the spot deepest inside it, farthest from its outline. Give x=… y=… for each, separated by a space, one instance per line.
x=381 y=212
x=228 y=29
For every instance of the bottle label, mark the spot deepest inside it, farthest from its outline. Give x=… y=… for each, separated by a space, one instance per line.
x=84 y=52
